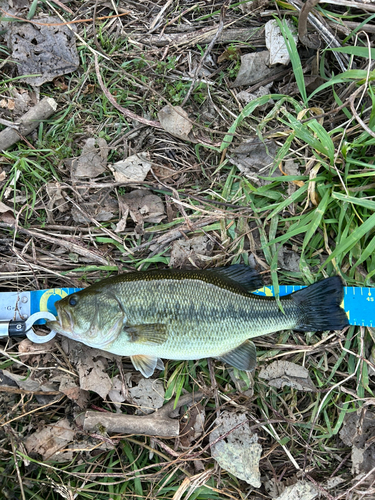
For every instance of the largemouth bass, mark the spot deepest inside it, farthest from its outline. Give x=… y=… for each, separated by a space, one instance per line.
x=192 y=314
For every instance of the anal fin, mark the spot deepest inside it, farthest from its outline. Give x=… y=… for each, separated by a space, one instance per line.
x=147 y=364
x=243 y=357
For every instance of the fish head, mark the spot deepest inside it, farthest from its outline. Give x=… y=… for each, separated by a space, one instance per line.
x=91 y=317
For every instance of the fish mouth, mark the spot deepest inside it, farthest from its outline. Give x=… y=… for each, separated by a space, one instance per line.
x=63 y=324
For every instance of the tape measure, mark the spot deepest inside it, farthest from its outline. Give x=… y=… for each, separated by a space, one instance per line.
x=359 y=303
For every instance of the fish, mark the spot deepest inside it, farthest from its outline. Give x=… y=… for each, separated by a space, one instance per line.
x=182 y=314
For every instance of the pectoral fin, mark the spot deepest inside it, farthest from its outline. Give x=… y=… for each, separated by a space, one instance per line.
x=153 y=333
x=147 y=364
x=243 y=357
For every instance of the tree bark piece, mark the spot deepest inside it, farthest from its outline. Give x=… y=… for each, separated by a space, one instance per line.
x=28 y=122
x=160 y=423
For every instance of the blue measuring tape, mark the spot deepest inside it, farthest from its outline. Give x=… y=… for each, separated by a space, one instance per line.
x=359 y=303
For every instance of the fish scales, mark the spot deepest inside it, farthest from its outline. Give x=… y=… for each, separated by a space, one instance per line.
x=185 y=314
x=202 y=319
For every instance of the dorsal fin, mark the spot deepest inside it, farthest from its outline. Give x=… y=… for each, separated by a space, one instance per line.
x=244 y=276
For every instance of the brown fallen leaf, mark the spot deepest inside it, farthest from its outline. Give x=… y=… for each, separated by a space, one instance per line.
x=192 y=426
x=190 y=253
x=4 y=209
x=148 y=395
x=56 y=199
x=93 y=159
x=284 y=373
x=358 y=431
x=255 y=159
x=101 y=206
x=254 y=68
x=142 y=206
x=44 y=51
x=91 y=365
x=69 y=387
x=51 y=441
x=239 y=453
x=291 y=168
x=92 y=375
x=115 y=394
x=133 y=169
x=175 y=121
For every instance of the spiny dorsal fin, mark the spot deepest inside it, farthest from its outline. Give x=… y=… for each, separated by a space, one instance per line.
x=243 y=357
x=240 y=275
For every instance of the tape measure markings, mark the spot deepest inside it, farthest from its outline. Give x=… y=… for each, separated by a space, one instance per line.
x=359 y=302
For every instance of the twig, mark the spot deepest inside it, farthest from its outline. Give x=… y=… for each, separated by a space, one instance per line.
x=311 y=41
x=69 y=244
x=159 y=15
x=112 y=100
x=9 y=124
x=223 y=11
x=28 y=122
x=158 y=423
x=37 y=23
x=325 y=33
x=17 y=390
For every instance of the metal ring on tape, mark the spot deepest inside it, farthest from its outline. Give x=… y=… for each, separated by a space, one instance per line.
x=31 y=335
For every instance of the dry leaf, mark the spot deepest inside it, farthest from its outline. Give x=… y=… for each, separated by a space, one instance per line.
x=22 y=101
x=192 y=427
x=26 y=384
x=230 y=54
x=69 y=387
x=302 y=490
x=115 y=394
x=255 y=159
x=48 y=51
x=291 y=168
x=247 y=97
x=101 y=206
x=4 y=208
x=288 y=259
x=284 y=373
x=51 y=441
x=7 y=104
x=93 y=160
x=134 y=169
x=239 y=453
x=175 y=121
x=56 y=198
x=148 y=395
x=92 y=375
x=276 y=44
x=358 y=431
x=254 y=68
x=143 y=206
x=191 y=252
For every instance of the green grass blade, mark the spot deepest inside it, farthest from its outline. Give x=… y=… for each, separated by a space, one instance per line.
x=294 y=57
x=356 y=201
x=352 y=239
x=318 y=215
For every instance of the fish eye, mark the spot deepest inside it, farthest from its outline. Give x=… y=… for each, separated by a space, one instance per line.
x=73 y=301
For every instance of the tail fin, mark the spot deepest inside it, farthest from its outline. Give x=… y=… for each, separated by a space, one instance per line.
x=320 y=305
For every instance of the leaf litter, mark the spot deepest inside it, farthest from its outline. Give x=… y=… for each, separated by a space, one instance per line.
x=43 y=51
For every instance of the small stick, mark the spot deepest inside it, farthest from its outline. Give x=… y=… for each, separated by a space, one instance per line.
x=28 y=122
x=158 y=423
